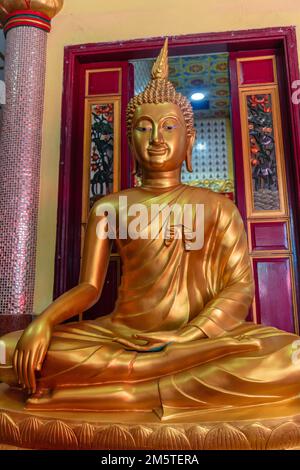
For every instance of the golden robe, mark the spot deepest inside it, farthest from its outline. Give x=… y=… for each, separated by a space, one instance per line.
x=241 y=370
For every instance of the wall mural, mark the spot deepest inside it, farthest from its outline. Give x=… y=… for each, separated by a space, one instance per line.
x=263 y=152
x=102 y=146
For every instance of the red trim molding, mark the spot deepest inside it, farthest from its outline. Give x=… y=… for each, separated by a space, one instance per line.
x=30 y=18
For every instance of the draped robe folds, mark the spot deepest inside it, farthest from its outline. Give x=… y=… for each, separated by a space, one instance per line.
x=240 y=369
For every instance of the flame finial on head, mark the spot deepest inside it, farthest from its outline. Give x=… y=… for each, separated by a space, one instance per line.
x=160 y=69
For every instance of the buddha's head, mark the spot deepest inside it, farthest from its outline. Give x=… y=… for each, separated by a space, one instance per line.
x=160 y=123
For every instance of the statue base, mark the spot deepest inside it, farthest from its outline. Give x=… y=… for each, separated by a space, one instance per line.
x=21 y=429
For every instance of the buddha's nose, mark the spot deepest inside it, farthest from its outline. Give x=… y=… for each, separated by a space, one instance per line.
x=156 y=136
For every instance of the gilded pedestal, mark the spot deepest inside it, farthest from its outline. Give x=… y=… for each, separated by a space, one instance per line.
x=127 y=431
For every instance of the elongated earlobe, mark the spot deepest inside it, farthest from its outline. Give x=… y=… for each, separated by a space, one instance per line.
x=133 y=166
x=133 y=161
x=188 y=160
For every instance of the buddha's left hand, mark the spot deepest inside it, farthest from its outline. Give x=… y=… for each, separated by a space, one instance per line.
x=159 y=339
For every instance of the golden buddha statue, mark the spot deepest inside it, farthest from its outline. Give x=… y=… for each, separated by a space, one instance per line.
x=177 y=342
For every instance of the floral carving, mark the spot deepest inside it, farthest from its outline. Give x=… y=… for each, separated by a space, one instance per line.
x=113 y=437
x=9 y=431
x=29 y=429
x=196 y=436
x=226 y=437
x=257 y=436
x=284 y=436
x=85 y=435
x=262 y=152
x=59 y=435
x=168 y=438
x=102 y=142
x=141 y=436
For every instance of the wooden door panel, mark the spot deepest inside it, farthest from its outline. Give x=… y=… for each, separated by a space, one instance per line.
x=274 y=292
x=265 y=202
x=106 y=156
x=101 y=164
x=269 y=236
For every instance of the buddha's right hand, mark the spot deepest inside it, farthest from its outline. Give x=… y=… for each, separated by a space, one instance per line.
x=30 y=352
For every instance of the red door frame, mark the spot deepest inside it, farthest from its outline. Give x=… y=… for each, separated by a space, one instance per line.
x=282 y=39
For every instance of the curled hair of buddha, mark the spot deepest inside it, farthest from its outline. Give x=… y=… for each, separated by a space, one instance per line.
x=160 y=90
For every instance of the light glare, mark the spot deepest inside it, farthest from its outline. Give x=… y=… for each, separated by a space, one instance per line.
x=197 y=96
x=201 y=146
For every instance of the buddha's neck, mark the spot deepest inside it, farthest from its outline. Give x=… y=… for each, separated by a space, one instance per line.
x=163 y=180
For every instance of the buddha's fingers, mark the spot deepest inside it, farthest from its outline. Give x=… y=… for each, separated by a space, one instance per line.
x=32 y=368
x=20 y=367
x=40 y=357
x=137 y=347
x=25 y=363
x=153 y=347
x=124 y=342
x=15 y=363
x=30 y=372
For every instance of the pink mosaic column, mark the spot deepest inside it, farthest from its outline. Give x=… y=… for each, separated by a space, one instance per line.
x=20 y=152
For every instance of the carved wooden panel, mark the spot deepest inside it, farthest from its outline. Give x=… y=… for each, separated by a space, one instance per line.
x=266 y=193
x=256 y=71
x=274 y=292
x=267 y=235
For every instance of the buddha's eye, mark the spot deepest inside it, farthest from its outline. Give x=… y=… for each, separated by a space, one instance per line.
x=169 y=127
x=142 y=128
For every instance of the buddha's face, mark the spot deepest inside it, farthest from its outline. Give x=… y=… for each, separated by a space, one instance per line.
x=159 y=137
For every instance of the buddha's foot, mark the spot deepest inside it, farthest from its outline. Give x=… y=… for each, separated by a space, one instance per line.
x=37 y=401
x=39 y=397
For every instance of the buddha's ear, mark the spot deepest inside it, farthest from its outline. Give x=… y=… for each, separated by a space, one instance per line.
x=133 y=172
x=133 y=161
x=189 y=150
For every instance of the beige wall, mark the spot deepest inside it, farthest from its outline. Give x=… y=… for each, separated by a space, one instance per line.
x=98 y=21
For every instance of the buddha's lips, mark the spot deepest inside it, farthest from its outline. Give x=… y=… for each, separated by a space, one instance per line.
x=157 y=151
